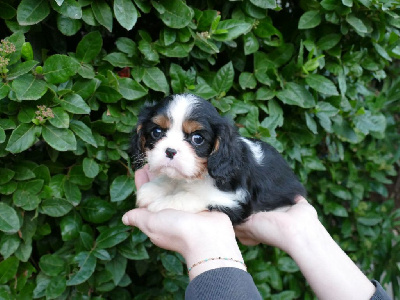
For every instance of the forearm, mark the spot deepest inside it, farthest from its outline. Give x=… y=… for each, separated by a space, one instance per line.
x=329 y=271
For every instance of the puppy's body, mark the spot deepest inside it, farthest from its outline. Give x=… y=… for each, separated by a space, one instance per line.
x=201 y=162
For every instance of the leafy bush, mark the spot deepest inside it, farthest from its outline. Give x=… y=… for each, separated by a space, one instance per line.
x=316 y=79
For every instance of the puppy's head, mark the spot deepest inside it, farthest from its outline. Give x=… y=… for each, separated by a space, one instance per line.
x=176 y=136
x=184 y=137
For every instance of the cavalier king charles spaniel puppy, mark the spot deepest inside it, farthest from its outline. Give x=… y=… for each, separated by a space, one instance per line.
x=201 y=162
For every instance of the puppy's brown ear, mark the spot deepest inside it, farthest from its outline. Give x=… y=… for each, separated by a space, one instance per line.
x=225 y=161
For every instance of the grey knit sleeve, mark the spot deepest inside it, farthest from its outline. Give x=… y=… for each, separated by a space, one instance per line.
x=221 y=284
x=380 y=293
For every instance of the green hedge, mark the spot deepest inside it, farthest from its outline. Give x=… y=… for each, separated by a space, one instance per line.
x=316 y=79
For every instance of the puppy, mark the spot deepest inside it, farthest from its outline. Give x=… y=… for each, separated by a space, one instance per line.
x=202 y=163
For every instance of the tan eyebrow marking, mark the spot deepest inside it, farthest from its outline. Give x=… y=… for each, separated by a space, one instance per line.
x=162 y=121
x=190 y=126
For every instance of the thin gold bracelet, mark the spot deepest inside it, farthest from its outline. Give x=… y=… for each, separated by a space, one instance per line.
x=217 y=258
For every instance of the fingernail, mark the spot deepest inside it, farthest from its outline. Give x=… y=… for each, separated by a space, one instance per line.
x=125 y=219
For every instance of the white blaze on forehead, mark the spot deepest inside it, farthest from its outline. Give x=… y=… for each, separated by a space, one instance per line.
x=180 y=107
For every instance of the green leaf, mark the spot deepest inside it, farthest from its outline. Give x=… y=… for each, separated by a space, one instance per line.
x=310 y=19
x=133 y=251
x=250 y=43
x=247 y=80
x=4 y=90
x=27 y=87
x=118 y=59
x=56 y=287
x=95 y=210
x=125 y=13
x=70 y=226
x=108 y=94
x=370 y=220
x=83 y=131
x=322 y=84
x=18 y=40
x=112 y=236
x=264 y=3
x=8 y=269
x=6 y=175
x=7 y=11
x=69 y=8
x=223 y=80
x=174 y=13
x=9 y=221
x=172 y=264
x=59 y=68
x=357 y=23
x=77 y=176
x=287 y=265
x=103 y=14
x=75 y=104
x=328 y=41
x=155 y=79
x=8 y=245
x=67 y=26
x=2 y=135
x=311 y=124
x=87 y=264
x=295 y=94
x=52 y=264
x=72 y=193
x=60 y=139
x=367 y=122
x=90 y=167
x=313 y=163
x=232 y=29
x=30 y=12
x=21 y=69
x=26 y=199
x=117 y=267
x=61 y=118
x=86 y=87
x=8 y=188
x=130 y=89
x=335 y=209
x=23 y=137
x=55 y=207
x=89 y=47
x=382 y=51
x=176 y=50
x=262 y=64
x=121 y=188
x=126 y=46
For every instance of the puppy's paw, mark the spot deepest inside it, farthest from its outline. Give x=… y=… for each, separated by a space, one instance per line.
x=147 y=194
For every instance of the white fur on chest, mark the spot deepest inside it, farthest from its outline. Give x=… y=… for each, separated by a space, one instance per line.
x=188 y=195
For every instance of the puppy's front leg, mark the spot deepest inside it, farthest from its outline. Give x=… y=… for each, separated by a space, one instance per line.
x=181 y=201
x=153 y=191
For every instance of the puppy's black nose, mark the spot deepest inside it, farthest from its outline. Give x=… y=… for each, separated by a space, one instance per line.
x=170 y=153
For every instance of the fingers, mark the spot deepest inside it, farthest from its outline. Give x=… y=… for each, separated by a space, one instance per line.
x=136 y=217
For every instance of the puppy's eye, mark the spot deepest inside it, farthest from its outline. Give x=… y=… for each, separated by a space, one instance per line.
x=156 y=133
x=197 y=139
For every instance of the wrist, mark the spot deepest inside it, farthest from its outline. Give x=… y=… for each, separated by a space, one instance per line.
x=212 y=254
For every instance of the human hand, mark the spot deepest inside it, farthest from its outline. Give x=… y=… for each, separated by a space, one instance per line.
x=196 y=236
x=279 y=228
x=323 y=263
